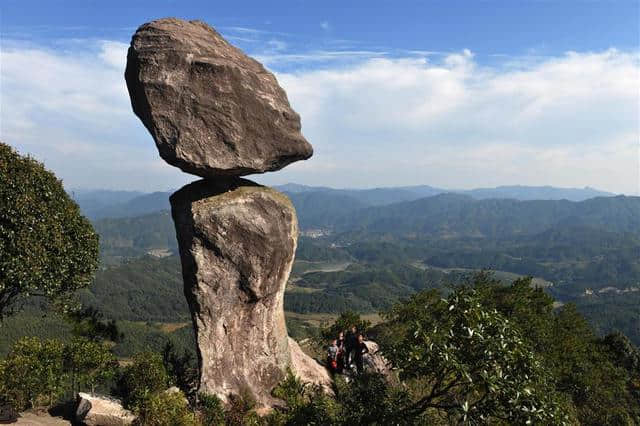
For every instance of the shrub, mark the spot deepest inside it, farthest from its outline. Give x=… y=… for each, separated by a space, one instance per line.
x=144 y=377
x=211 y=410
x=33 y=373
x=89 y=364
x=165 y=408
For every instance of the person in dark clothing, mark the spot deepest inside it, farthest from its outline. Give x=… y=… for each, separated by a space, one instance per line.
x=341 y=352
x=358 y=353
x=350 y=343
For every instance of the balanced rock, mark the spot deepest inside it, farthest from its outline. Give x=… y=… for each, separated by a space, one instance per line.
x=211 y=109
x=237 y=242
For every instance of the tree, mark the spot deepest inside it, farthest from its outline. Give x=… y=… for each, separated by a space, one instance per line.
x=47 y=247
x=144 y=377
x=89 y=364
x=472 y=363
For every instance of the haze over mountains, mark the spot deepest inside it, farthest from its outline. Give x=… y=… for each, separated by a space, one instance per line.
x=98 y=204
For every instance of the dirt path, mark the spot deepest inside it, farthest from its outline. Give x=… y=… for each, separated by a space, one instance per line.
x=32 y=419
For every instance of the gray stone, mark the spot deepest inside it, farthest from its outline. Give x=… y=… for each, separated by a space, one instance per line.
x=211 y=109
x=237 y=241
x=377 y=363
x=96 y=410
x=309 y=370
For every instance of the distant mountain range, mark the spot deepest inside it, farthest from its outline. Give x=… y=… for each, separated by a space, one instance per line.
x=97 y=204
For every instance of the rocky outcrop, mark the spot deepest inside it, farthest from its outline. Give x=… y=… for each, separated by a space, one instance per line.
x=94 y=410
x=237 y=241
x=307 y=369
x=217 y=113
x=211 y=109
x=376 y=362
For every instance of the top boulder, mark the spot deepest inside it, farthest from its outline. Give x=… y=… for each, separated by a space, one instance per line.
x=211 y=109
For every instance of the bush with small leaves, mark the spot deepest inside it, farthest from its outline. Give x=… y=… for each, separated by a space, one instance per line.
x=47 y=247
x=32 y=374
x=89 y=364
x=210 y=409
x=165 y=408
x=144 y=377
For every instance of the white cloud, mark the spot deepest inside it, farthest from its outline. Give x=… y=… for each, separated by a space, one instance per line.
x=374 y=119
x=325 y=25
x=71 y=110
x=564 y=121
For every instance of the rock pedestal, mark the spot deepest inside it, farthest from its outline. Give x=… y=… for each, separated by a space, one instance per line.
x=237 y=242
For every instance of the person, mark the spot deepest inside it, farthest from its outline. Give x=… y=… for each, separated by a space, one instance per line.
x=350 y=343
x=332 y=356
x=341 y=340
x=358 y=353
x=341 y=352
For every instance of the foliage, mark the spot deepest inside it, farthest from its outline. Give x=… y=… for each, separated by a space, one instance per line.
x=46 y=246
x=344 y=323
x=88 y=363
x=135 y=236
x=165 y=408
x=211 y=410
x=306 y=404
x=589 y=372
x=239 y=409
x=40 y=371
x=181 y=368
x=372 y=400
x=474 y=363
x=33 y=373
x=144 y=377
x=89 y=323
x=143 y=289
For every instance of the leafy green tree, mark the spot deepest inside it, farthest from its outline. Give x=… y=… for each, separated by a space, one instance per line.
x=47 y=247
x=89 y=364
x=473 y=364
x=144 y=377
x=593 y=374
x=33 y=374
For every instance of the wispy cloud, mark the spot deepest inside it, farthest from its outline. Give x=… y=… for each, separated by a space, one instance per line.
x=374 y=117
x=325 y=25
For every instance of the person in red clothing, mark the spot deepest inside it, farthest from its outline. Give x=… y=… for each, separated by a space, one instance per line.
x=332 y=356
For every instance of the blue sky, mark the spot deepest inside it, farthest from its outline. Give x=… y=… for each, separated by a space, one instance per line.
x=455 y=94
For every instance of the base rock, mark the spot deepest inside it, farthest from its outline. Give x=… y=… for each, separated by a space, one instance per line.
x=237 y=242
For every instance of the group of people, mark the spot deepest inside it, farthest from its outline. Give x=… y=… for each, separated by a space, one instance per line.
x=347 y=351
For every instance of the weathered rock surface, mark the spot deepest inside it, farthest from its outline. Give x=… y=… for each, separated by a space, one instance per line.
x=102 y=411
x=237 y=242
x=307 y=369
x=376 y=362
x=211 y=109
